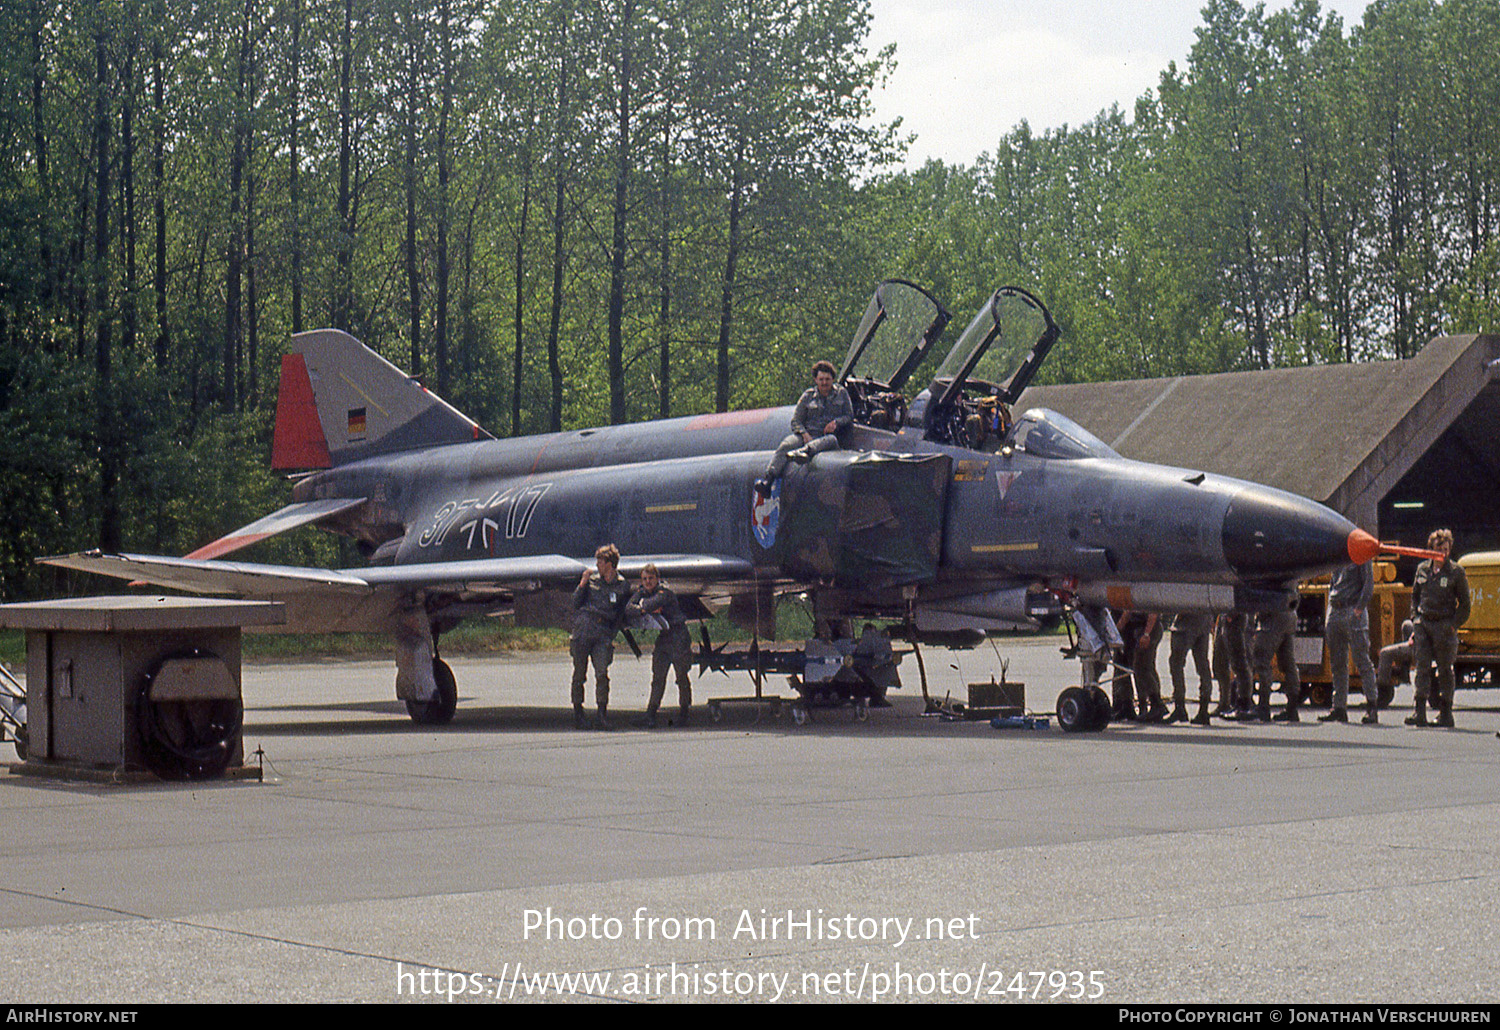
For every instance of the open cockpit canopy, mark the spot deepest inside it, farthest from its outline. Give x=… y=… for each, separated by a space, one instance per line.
x=899 y=327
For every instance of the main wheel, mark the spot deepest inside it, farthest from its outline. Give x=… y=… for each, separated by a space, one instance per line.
x=439 y=710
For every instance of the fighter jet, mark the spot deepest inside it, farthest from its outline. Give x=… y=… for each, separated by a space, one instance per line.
x=944 y=514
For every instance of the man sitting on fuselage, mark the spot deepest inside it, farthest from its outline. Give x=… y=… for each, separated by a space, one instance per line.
x=824 y=410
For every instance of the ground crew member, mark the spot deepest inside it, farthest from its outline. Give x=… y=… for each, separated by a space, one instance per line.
x=1142 y=632
x=1346 y=628
x=673 y=648
x=1190 y=633
x=1440 y=601
x=1274 y=636
x=598 y=608
x=1232 y=666
x=824 y=411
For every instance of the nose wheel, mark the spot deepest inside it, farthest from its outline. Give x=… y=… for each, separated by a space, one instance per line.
x=1082 y=710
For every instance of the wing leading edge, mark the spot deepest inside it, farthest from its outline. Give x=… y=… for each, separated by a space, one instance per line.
x=331 y=600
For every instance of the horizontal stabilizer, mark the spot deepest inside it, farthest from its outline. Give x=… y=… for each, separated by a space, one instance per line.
x=290 y=517
x=201 y=576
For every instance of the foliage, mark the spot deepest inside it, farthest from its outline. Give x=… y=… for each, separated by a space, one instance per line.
x=566 y=212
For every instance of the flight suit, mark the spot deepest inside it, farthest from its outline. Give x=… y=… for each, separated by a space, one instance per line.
x=1142 y=658
x=599 y=608
x=1190 y=634
x=1232 y=664
x=673 y=648
x=1440 y=599
x=1274 y=636
x=813 y=413
x=1346 y=629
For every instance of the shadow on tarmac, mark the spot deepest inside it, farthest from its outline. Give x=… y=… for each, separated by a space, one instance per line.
x=903 y=719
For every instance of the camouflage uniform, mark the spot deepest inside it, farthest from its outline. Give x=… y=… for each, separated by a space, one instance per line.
x=1440 y=599
x=1190 y=634
x=673 y=648
x=598 y=610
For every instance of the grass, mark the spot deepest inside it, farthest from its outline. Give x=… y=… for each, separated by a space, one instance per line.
x=474 y=637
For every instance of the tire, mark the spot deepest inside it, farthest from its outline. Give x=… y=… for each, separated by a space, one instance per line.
x=439 y=710
x=1075 y=710
x=1102 y=709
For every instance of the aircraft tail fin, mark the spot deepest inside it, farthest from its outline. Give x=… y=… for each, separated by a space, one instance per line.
x=340 y=401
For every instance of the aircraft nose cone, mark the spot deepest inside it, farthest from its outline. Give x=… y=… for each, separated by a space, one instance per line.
x=1362 y=547
x=1269 y=534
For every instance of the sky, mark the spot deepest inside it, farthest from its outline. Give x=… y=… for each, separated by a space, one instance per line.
x=969 y=71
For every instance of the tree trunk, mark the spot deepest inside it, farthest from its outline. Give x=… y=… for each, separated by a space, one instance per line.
x=108 y=438
x=39 y=141
x=726 y=296
x=159 y=182
x=518 y=367
x=343 y=296
x=413 y=279
x=440 y=343
x=294 y=165
x=617 y=247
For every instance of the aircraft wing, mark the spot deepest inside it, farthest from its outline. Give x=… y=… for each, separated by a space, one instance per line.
x=484 y=575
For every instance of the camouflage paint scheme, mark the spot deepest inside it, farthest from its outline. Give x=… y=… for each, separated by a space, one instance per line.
x=922 y=516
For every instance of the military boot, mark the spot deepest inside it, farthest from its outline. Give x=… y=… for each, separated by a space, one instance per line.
x=1335 y=715
x=1418 y=717
x=1445 y=718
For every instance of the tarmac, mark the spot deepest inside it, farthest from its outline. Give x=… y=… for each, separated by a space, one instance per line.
x=509 y=857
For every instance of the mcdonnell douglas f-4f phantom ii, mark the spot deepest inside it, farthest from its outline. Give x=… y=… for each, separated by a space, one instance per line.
x=945 y=512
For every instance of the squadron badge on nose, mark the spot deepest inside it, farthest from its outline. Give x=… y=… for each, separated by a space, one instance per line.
x=765 y=513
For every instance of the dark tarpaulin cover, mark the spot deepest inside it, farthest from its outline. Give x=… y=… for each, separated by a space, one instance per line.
x=865 y=521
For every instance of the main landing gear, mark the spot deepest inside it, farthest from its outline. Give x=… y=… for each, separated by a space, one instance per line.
x=437 y=711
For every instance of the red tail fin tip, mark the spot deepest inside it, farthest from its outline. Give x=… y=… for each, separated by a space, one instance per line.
x=298 y=442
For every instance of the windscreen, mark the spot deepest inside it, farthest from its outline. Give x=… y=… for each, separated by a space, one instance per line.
x=1047 y=434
